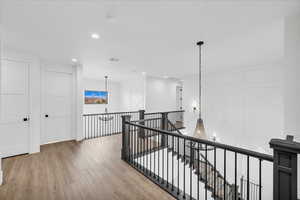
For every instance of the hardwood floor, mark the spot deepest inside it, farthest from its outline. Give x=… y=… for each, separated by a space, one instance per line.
x=88 y=170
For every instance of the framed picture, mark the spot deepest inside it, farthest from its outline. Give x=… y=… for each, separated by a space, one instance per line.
x=95 y=97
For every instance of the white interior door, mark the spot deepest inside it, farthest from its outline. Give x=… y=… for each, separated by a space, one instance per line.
x=57 y=107
x=14 y=108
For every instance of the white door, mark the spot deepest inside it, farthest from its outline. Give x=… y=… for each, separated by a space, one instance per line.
x=57 y=107
x=14 y=108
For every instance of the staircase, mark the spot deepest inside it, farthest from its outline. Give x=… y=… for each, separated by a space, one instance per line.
x=216 y=184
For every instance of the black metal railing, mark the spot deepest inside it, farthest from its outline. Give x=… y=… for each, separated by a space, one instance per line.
x=105 y=124
x=191 y=168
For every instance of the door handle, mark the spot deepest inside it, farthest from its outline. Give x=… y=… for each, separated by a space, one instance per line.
x=25 y=119
x=46 y=115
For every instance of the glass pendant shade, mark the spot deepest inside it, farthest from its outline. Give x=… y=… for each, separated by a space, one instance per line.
x=200 y=130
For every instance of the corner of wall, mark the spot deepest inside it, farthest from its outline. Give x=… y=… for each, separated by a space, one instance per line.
x=1 y=173
x=79 y=102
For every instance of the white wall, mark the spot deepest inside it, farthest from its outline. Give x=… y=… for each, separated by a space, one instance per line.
x=291 y=76
x=133 y=93
x=114 y=95
x=160 y=94
x=1 y=173
x=243 y=107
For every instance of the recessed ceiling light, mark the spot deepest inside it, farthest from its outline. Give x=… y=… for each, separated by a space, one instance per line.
x=74 y=60
x=114 y=59
x=95 y=36
x=110 y=17
x=143 y=73
x=166 y=77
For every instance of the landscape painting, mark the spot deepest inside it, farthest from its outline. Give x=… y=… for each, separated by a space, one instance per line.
x=95 y=97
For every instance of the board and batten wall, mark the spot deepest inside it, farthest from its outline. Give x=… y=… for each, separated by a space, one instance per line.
x=114 y=100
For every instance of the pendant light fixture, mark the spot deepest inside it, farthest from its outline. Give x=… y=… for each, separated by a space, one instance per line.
x=200 y=130
x=107 y=117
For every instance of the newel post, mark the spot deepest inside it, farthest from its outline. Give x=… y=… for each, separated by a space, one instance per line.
x=142 y=117
x=125 y=137
x=285 y=168
x=164 y=126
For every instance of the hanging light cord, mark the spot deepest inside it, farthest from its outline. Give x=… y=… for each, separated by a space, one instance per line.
x=199 y=44
x=106 y=83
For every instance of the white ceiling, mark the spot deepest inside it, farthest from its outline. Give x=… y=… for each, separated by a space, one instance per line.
x=157 y=37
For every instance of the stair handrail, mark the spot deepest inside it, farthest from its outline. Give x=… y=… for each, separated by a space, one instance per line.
x=174 y=127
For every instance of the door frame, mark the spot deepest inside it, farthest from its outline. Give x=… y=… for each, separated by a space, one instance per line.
x=57 y=68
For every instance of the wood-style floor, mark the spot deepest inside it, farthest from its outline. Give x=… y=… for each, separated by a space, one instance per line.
x=88 y=170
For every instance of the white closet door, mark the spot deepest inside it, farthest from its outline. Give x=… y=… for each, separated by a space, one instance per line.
x=14 y=108
x=57 y=104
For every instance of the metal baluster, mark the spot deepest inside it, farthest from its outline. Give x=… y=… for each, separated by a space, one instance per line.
x=206 y=176
x=259 y=179
x=109 y=125
x=90 y=126
x=224 y=184
x=215 y=173
x=104 y=127
x=134 y=145
x=143 y=149
x=198 y=168
x=163 y=159
x=248 y=177
x=93 y=125
x=114 y=125
x=178 y=192
x=235 y=176
x=154 y=145
x=100 y=126
x=158 y=152
x=97 y=125
x=148 y=155
x=150 y=148
x=85 y=125
x=167 y=160
x=191 y=166
x=173 y=162
x=184 y=168
x=138 y=158
x=130 y=142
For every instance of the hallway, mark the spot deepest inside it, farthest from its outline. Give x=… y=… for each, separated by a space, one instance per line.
x=91 y=169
